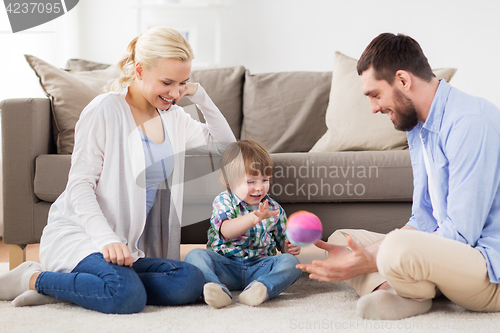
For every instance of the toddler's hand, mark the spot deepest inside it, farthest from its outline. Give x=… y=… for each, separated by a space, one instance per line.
x=264 y=212
x=292 y=249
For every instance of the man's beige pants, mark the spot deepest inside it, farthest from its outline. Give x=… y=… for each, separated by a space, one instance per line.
x=417 y=264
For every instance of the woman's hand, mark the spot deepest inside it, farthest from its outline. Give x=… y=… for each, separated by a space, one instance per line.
x=190 y=89
x=117 y=253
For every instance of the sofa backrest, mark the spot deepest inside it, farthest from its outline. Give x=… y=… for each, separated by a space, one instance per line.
x=285 y=111
x=225 y=88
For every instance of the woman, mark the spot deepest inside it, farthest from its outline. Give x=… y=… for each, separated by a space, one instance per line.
x=123 y=201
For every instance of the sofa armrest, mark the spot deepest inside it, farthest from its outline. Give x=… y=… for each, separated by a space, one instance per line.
x=26 y=133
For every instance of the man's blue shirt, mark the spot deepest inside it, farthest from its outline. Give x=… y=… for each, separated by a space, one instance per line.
x=462 y=136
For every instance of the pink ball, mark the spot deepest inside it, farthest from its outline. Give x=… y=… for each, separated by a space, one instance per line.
x=303 y=228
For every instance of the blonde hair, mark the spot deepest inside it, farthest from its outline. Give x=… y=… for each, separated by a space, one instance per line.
x=147 y=48
x=242 y=158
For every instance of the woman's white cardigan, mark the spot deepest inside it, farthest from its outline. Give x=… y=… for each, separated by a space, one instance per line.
x=105 y=199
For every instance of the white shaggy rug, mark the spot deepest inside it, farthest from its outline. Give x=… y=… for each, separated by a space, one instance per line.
x=306 y=306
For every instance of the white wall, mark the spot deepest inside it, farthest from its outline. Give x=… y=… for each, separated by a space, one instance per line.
x=276 y=35
x=294 y=35
x=53 y=42
x=289 y=35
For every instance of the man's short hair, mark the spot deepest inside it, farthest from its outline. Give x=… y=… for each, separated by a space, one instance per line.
x=388 y=53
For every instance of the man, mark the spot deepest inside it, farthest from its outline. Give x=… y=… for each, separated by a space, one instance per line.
x=451 y=243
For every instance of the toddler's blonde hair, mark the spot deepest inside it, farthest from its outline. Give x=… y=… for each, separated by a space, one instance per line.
x=241 y=158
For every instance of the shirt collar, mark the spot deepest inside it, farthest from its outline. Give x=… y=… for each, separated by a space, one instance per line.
x=436 y=112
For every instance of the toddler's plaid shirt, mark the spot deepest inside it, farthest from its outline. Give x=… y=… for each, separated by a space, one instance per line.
x=262 y=240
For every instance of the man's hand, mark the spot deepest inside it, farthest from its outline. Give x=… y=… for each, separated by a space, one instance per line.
x=117 y=253
x=343 y=262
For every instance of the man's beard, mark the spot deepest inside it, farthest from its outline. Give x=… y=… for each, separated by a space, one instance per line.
x=405 y=114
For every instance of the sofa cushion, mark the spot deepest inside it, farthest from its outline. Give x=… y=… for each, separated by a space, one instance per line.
x=51 y=176
x=299 y=178
x=225 y=88
x=72 y=89
x=84 y=65
x=223 y=85
x=351 y=124
x=285 y=111
x=201 y=186
x=342 y=177
x=69 y=93
x=200 y=176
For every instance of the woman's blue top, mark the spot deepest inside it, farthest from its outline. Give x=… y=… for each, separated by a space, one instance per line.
x=159 y=165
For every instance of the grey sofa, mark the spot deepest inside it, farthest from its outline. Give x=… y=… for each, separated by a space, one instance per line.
x=349 y=189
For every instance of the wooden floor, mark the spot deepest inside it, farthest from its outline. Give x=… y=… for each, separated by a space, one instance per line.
x=31 y=252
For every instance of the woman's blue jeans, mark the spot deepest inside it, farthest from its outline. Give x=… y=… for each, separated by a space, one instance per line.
x=98 y=285
x=276 y=272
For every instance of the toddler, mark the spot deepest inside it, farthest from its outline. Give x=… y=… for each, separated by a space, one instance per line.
x=247 y=228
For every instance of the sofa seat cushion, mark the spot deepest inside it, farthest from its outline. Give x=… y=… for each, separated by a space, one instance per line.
x=342 y=177
x=51 y=176
x=371 y=176
x=201 y=184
